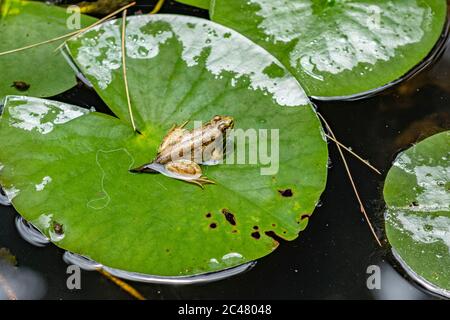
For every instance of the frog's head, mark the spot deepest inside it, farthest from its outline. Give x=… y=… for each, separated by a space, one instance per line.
x=223 y=123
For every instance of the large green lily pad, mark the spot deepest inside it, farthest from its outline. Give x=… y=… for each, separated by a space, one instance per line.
x=417 y=195
x=340 y=47
x=45 y=71
x=179 y=68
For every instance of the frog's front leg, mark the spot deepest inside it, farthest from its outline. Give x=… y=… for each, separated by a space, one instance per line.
x=188 y=171
x=214 y=154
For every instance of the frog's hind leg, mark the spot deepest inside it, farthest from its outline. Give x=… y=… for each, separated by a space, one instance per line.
x=187 y=170
x=201 y=182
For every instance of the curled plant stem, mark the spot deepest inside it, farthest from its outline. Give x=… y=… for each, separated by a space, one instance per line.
x=354 y=154
x=355 y=190
x=123 y=285
x=157 y=6
x=68 y=35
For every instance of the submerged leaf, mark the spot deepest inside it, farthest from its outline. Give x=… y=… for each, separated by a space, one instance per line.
x=339 y=48
x=417 y=195
x=76 y=173
x=39 y=71
x=7 y=256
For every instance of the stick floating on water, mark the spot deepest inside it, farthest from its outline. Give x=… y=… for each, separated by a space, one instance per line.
x=355 y=190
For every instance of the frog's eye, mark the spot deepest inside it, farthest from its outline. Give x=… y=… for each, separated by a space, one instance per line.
x=222 y=126
x=217 y=118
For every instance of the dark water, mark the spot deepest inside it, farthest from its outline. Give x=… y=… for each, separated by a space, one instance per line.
x=329 y=260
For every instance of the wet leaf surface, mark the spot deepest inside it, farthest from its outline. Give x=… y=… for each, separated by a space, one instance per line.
x=179 y=68
x=39 y=71
x=418 y=215
x=339 y=48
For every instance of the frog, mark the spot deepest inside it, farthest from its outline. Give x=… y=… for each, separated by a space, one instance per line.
x=206 y=144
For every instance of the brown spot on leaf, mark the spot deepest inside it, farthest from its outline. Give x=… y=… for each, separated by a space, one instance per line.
x=58 y=228
x=209 y=215
x=229 y=216
x=305 y=216
x=213 y=225
x=256 y=235
x=255 y=227
x=21 y=85
x=286 y=193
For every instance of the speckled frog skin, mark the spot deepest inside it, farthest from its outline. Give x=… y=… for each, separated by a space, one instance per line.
x=182 y=151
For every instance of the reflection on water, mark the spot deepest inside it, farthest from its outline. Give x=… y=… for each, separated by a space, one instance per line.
x=18 y=282
x=36 y=238
x=87 y=264
x=29 y=233
x=4 y=200
x=395 y=287
x=420 y=280
x=423 y=128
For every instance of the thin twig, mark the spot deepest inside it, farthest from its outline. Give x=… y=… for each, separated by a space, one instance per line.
x=157 y=7
x=68 y=35
x=106 y=18
x=361 y=205
x=124 y=68
x=123 y=285
x=38 y=44
x=354 y=154
x=7 y=288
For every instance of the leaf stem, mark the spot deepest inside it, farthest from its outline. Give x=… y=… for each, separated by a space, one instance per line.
x=157 y=7
x=68 y=35
x=122 y=284
x=355 y=190
x=124 y=68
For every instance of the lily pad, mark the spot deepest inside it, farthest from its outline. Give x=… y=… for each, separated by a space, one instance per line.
x=418 y=215
x=202 y=4
x=76 y=174
x=339 y=48
x=39 y=71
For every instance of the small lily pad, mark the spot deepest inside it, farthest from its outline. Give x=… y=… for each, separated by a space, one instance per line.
x=39 y=71
x=339 y=48
x=64 y=166
x=417 y=195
